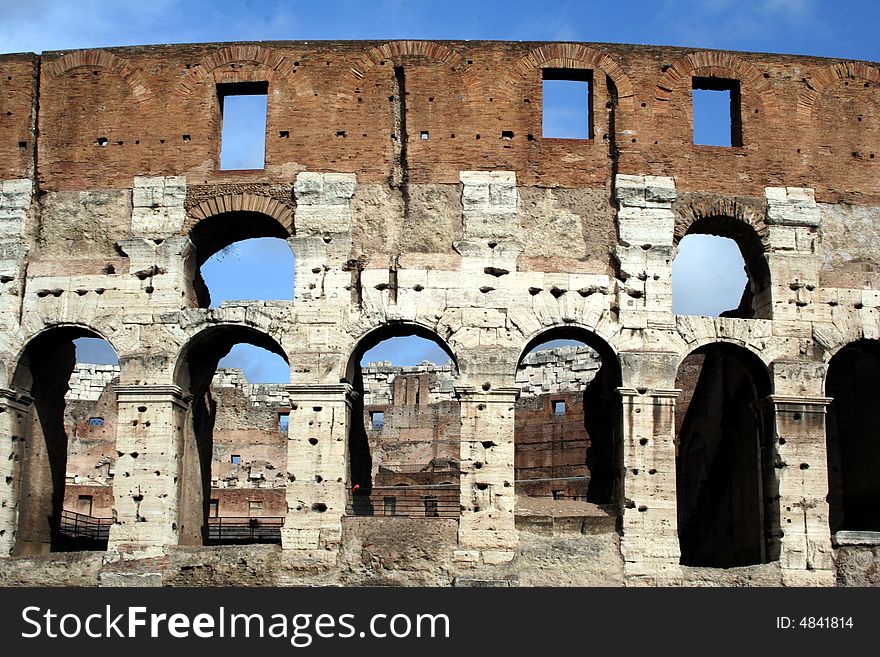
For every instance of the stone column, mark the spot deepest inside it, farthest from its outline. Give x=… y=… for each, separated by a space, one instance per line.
x=146 y=487
x=650 y=515
x=645 y=224
x=317 y=470
x=801 y=465
x=14 y=416
x=487 y=530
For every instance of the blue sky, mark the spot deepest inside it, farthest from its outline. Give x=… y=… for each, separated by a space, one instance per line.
x=846 y=29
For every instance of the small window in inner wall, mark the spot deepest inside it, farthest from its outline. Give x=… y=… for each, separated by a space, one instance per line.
x=559 y=407
x=236 y=459
x=377 y=420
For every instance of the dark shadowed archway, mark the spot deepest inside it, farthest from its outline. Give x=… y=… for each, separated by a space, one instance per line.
x=43 y=374
x=195 y=371
x=724 y=470
x=567 y=435
x=853 y=437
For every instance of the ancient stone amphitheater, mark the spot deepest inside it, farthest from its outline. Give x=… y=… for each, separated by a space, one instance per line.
x=420 y=196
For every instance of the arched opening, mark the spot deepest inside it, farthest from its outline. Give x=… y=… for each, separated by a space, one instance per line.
x=67 y=449
x=853 y=438
x=726 y=483
x=567 y=443
x=720 y=271
x=233 y=471
x=241 y=256
x=405 y=432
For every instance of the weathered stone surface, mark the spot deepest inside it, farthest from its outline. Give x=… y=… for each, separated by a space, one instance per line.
x=454 y=219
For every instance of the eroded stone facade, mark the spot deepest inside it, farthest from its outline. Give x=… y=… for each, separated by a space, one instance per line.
x=418 y=196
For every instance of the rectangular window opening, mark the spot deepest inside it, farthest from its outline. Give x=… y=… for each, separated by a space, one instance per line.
x=717 y=112
x=214 y=508
x=559 y=407
x=377 y=420
x=255 y=509
x=84 y=504
x=389 y=505
x=243 y=108
x=432 y=509
x=567 y=103
x=236 y=459
x=283 y=422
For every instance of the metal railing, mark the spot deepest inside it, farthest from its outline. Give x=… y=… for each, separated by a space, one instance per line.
x=227 y=530
x=80 y=526
x=439 y=501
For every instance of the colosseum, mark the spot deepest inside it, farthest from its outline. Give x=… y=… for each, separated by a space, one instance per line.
x=421 y=194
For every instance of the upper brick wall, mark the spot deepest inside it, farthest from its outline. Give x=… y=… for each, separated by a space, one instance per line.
x=805 y=121
x=18 y=80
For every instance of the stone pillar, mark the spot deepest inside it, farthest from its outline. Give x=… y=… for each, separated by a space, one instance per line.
x=645 y=224
x=317 y=470
x=650 y=544
x=793 y=220
x=14 y=416
x=801 y=464
x=146 y=487
x=487 y=527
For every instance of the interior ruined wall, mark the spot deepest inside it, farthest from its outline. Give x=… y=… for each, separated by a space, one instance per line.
x=439 y=234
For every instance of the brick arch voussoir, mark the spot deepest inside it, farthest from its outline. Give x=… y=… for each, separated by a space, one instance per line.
x=274 y=64
x=135 y=79
x=748 y=211
x=398 y=51
x=243 y=203
x=832 y=74
x=570 y=55
x=715 y=65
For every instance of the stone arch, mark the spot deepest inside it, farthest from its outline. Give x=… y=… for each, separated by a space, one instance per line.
x=694 y=208
x=221 y=221
x=726 y=482
x=572 y=55
x=700 y=342
x=712 y=64
x=377 y=334
x=193 y=372
x=79 y=327
x=371 y=481
x=42 y=373
x=742 y=221
x=136 y=80
x=827 y=76
x=594 y=447
x=274 y=63
x=250 y=203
